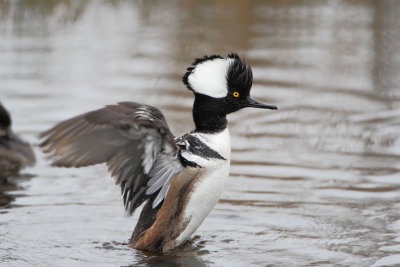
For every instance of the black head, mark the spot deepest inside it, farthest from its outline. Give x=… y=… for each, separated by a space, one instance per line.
x=221 y=86
x=223 y=82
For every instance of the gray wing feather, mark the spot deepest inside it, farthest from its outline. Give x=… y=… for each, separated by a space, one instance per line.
x=164 y=169
x=132 y=139
x=161 y=195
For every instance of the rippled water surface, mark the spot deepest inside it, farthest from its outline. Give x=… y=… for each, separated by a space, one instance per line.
x=315 y=183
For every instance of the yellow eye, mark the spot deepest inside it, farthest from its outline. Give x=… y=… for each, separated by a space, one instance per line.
x=235 y=94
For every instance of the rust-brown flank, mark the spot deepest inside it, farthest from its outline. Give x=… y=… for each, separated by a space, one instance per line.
x=168 y=224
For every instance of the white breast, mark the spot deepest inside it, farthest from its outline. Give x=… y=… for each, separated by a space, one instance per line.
x=208 y=188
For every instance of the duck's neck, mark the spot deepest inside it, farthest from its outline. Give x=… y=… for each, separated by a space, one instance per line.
x=207 y=116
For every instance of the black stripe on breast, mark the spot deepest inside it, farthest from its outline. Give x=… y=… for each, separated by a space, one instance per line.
x=197 y=147
x=188 y=163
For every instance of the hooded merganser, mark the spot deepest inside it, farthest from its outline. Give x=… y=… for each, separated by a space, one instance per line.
x=180 y=179
x=15 y=154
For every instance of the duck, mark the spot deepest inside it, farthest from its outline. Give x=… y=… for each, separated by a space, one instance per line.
x=15 y=153
x=179 y=179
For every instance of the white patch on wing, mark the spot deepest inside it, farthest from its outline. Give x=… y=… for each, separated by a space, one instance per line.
x=209 y=77
x=150 y=152
x=144 y=113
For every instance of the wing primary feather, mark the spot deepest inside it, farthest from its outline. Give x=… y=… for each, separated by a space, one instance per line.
x=134 y=200
x=159 y=182
x=59 y=136
x=123 y=186
x=161 y=195
x=134 y=141
x=126 y=196
x=138 y=181
x=115 y=169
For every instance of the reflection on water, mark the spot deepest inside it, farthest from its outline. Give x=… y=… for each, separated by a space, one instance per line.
x=315 y=183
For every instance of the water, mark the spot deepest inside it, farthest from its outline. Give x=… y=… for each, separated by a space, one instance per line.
x=314 y=183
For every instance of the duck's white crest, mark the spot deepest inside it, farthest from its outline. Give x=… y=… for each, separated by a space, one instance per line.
x=209 y=77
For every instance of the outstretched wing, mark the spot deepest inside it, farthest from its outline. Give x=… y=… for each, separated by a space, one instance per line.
x=132 y=139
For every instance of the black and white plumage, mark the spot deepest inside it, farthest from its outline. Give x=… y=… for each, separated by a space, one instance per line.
x=180 y=179
x=15 y=154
